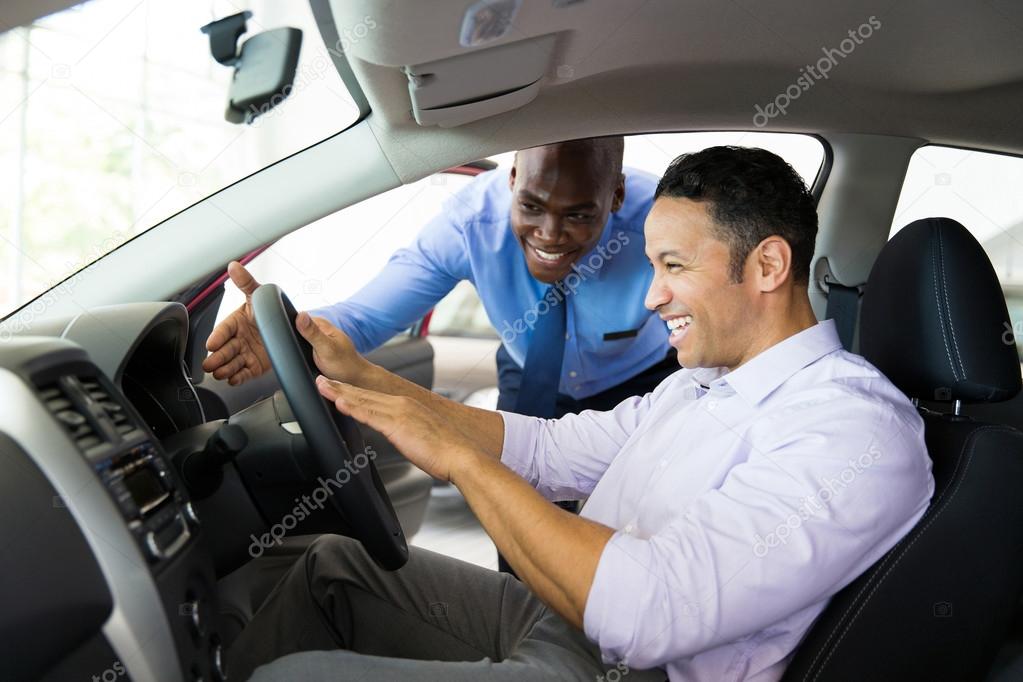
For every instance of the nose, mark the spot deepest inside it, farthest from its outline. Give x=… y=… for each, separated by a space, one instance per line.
x=657 y=295
x=549 y=230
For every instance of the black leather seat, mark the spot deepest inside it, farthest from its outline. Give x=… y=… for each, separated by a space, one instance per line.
x=939 y=604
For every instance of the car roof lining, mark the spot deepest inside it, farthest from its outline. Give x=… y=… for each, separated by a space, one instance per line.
x=943 y=71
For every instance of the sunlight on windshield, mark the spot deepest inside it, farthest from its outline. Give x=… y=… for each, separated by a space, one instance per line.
x=112 y=119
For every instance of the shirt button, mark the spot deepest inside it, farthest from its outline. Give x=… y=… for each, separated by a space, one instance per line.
x=628 y=528
x=573 y=374
x=663 y=463
x=712 y=404
x=566 y=337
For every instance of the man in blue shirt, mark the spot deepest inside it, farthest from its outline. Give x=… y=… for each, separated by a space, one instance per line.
x=555 y=249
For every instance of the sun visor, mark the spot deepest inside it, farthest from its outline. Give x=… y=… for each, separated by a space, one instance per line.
x=482 y=83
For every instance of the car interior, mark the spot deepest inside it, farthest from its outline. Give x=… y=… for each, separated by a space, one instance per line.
x=146 y=509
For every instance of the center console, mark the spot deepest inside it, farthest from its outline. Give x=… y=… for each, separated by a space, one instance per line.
x=135 y=515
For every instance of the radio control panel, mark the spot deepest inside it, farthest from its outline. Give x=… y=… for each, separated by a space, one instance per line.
x=148 y=496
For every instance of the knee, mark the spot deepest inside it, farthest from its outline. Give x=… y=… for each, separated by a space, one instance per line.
x=331 y=552
x=333 y=546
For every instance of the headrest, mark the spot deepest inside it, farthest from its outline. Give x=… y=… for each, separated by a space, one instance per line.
x=933 y=317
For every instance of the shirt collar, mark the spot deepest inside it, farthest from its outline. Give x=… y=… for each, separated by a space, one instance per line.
x=761 y=375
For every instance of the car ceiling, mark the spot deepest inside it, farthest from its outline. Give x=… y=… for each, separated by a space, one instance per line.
x=941 y=70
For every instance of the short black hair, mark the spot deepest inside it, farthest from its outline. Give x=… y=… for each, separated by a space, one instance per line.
x=606 y=153
x=753 y=194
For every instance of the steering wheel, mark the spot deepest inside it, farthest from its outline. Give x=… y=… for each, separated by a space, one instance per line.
x=332 y=437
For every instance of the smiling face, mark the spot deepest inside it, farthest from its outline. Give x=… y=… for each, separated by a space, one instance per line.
x=561 y=197
x=713 y=319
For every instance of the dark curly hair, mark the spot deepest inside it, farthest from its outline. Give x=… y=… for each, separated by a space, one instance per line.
x=753 y=194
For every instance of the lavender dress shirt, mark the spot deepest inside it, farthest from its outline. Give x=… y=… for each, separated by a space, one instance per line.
x=741 y=502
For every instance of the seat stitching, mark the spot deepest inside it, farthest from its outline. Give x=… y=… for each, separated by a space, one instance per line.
x=944 y=504
x=941 y=324
x=948 y=308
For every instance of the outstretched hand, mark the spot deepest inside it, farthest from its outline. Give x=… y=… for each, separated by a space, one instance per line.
x=237 y=353
x=428 y=441
x=236 y=348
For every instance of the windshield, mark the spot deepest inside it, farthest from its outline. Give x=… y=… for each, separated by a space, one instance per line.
x=112 y=120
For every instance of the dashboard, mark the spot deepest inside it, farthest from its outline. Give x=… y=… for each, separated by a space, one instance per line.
x=104 y=572
x=141 y=347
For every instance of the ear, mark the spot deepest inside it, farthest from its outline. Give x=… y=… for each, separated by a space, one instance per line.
x=618 y=198
x=772 y=263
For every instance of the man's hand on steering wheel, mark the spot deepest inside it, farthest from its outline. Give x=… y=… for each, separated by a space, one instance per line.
x=430 y=442
x=333 y=352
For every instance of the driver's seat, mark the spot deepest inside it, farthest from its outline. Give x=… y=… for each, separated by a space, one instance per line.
x=939 y=604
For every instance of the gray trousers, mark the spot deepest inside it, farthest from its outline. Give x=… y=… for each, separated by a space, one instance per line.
x=336 y=616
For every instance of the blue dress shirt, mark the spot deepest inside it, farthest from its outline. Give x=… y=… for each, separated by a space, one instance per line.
x=741 y=501
x=610 y=337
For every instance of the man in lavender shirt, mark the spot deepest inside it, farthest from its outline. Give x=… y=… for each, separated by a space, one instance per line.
x=722 y=512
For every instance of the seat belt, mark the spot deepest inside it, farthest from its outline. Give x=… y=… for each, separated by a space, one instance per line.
x=843 y=306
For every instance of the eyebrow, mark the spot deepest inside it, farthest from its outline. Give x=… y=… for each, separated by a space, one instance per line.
x=671 y=252
x=587 y=205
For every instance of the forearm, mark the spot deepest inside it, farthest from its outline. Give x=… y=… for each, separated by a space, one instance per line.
x=484 y=427
x=553 y=551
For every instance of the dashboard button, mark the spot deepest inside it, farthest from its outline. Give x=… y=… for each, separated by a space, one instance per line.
x=191 y=514
x=193 y=610
x=219 y=667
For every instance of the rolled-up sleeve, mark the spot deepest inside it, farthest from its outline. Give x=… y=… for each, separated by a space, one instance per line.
x=565 y=458
x=784 y=532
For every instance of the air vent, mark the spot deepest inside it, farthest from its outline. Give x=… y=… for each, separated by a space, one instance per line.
x=77 y=422
x=89 y=413
x=114 y=410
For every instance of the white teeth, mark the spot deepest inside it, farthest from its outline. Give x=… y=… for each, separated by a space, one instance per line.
x=679 y=323
x=546 y=255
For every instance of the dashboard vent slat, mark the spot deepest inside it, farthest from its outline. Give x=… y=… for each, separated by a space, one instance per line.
x=86 y=424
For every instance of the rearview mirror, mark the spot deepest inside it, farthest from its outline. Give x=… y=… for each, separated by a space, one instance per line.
x=264 y=68
x=264 y=73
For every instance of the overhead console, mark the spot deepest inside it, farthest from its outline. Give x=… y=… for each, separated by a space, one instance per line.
x=457 y=90
x=149 y=610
